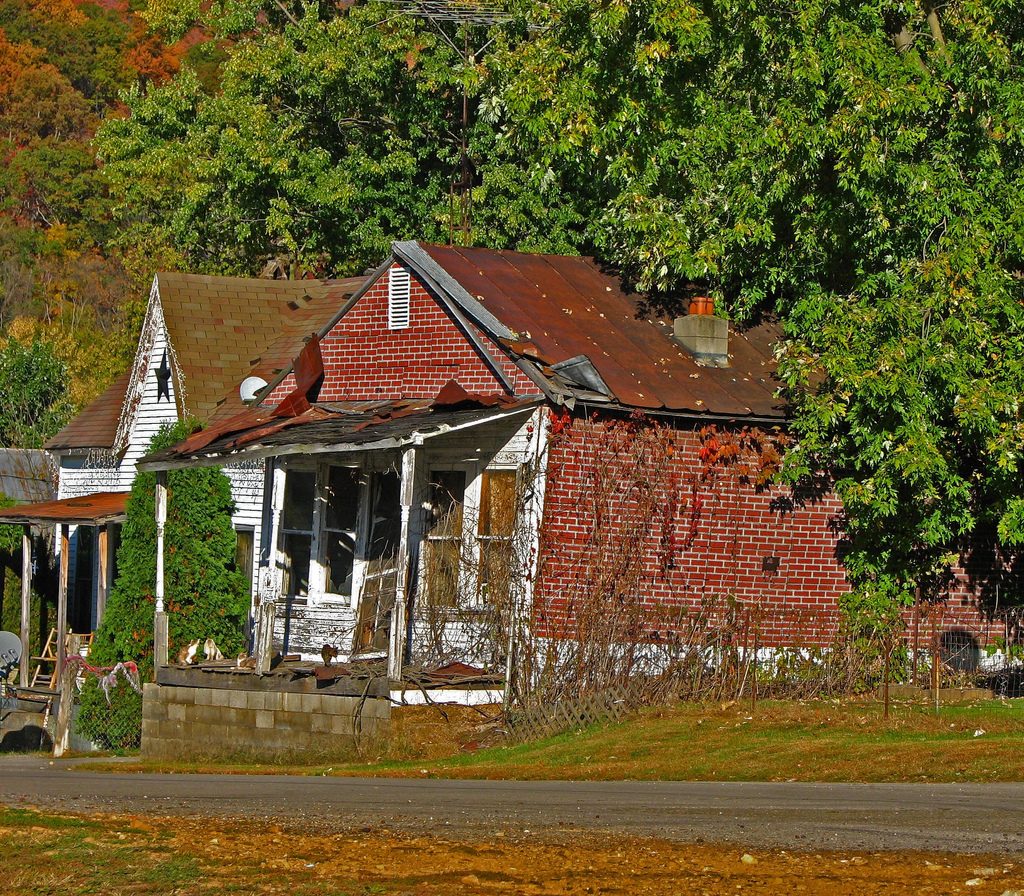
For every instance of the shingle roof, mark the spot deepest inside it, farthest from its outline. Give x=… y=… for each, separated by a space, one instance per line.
x=555 y=308
x=96 y=424
x=224 y=329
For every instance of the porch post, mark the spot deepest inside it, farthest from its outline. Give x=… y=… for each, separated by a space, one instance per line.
x=270 y=575
x=102 y=571
x=396 y=652
x=160 y=618
x=26 y=602
x=62 y=601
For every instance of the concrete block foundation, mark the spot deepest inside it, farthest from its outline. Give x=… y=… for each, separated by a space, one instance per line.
x=194 y=723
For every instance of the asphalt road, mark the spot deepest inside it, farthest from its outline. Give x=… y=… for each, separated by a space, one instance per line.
x=969 y=818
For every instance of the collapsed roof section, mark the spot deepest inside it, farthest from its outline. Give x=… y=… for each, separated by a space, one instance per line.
x=297 y=425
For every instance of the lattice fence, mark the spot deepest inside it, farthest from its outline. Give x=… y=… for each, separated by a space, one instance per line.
x=570 y=715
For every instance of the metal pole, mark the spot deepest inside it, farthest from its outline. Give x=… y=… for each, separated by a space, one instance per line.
x=26 y=602
x=885 y=678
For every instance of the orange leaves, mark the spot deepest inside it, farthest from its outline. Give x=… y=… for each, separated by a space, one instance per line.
x=65 y=11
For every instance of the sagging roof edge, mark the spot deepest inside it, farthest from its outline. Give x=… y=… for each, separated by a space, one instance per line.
x=582 y=408
x=393 y=442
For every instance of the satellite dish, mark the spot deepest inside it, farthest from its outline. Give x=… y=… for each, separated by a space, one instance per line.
x=251 y=386
x=10 y=649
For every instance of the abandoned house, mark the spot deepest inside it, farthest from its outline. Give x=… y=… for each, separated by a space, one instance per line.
x=475 y=436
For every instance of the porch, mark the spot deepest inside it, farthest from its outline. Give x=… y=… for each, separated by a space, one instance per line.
x=390 y=536
x=88 y=533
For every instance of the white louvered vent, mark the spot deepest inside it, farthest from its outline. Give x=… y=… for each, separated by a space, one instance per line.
x=398 y=299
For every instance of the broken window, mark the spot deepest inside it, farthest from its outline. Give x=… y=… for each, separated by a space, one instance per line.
x=380 y=581
x=340 y=528
x=444 y=536
x=297 y=529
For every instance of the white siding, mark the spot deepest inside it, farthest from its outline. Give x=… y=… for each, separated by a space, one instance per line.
x=102 y=471
x=152 y=412
x=247 y=490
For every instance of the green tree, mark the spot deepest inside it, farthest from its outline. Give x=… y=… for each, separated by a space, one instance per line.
x=205 y=596
x=33 y=394
x=854 y=169
x=330 y=134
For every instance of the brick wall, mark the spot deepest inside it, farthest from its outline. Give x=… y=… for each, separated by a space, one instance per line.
x=364 y=360
x=186 y=722
x=705 y=541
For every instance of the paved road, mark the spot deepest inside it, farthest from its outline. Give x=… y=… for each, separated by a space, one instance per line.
x=959 y=818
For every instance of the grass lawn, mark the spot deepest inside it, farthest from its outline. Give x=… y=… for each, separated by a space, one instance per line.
x=774 y=741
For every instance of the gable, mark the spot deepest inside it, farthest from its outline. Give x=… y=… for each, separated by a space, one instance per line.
x=370 y=356
x=153 y=398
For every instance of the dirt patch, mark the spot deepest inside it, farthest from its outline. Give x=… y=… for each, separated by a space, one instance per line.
x=427 y=733
x=260 y=857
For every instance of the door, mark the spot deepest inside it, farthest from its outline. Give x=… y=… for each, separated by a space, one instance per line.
x=380 y=577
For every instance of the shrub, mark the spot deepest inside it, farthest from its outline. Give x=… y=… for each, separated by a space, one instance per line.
x=204 y=595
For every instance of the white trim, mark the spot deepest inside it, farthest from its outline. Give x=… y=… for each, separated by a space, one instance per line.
x=447 y=696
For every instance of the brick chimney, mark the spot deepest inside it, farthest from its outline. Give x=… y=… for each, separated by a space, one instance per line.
x=703 y=335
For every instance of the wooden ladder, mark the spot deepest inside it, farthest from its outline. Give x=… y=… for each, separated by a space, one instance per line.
x=46 y=662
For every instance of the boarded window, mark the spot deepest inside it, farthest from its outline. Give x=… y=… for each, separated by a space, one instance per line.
x=399 y=284
x=494 y=531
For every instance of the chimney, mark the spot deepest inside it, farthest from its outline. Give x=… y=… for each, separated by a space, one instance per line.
x=703 y=335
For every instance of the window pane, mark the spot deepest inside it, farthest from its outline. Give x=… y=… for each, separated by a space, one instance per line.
x=342 y=498
x=296 y=560
x=299 y=487
x=498 y=503
x=339 y=563
x=441 y=572
x=447 y=494
x=244 y=552
x=496 y=571
x=385 y=525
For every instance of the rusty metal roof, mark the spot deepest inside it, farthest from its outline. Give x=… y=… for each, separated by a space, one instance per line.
x=27 y=474
x=88 y=510
x=352 y=425
x=551 y=309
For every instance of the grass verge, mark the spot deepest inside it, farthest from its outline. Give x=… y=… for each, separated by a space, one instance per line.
x=774 y=741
